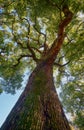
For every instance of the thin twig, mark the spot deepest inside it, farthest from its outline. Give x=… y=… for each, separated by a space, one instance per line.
x=37 y=50
x=57 y=64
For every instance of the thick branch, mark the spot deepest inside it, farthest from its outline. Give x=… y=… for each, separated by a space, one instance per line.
x=56 y=46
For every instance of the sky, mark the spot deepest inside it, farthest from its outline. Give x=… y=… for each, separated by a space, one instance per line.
x=7 y=101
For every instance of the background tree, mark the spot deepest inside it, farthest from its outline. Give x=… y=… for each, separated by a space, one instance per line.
x=31 y=36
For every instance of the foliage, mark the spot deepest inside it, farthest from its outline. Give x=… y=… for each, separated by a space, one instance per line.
x=27 y=29
x=80 y=120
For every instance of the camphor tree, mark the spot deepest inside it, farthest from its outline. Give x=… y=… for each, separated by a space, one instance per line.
x=45 y=37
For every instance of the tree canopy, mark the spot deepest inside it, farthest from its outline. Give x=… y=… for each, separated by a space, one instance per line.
x=28 y=28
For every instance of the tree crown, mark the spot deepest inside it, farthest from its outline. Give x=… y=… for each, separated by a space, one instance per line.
x=28 y=30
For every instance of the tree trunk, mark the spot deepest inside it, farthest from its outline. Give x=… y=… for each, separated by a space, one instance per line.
x=38 y=108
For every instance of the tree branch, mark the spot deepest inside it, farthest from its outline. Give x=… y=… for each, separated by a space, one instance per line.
x=16 y=40
x=8 y=4
x=56 y=46
x=28 y=25
x=32 y=52
x=57 y=64
x=53 y=4
x=28 y=43
x=38 y=30
x=19 y=59
x=41 y=33
x=37 y=50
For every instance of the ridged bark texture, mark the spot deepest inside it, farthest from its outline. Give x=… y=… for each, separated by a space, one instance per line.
x=38 y=108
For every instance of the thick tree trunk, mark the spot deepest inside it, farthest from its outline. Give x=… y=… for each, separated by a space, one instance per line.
x=38 y=108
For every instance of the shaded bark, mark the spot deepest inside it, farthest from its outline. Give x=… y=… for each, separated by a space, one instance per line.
x=38 y=108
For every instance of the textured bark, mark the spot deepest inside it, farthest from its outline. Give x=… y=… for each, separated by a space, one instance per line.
x=38 y=108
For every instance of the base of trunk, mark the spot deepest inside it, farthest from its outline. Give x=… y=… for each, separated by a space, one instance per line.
x=38 y=108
